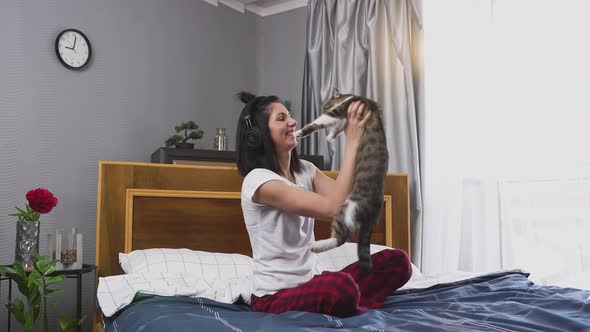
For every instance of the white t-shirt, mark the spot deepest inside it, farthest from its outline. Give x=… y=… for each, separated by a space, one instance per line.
x=280 y=241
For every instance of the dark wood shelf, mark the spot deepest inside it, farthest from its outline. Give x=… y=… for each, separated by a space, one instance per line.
x=210 y=157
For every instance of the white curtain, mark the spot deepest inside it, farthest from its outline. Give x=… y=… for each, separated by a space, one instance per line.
x=506 y=109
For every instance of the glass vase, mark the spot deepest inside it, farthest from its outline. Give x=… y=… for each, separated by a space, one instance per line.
x=27 y=236
x=220 y=140
x=27 y=248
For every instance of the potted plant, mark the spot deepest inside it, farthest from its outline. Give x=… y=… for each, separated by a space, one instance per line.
x=34 y=285
x=184 y=132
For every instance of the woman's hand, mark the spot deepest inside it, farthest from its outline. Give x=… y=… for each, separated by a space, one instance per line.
x=355 y=126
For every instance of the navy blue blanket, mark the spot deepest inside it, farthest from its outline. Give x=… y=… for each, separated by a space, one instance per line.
x=501 y=302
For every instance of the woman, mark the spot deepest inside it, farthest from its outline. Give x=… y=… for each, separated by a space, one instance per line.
x=281 y=196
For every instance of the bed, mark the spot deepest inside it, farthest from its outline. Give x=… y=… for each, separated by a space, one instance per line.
x=146 y=207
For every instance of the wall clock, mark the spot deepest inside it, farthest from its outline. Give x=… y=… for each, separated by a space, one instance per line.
x=73 y=49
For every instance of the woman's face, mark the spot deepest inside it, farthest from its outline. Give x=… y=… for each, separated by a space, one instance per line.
x=282 y=126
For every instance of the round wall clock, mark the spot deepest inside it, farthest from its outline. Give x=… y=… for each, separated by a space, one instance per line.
x=73 y=48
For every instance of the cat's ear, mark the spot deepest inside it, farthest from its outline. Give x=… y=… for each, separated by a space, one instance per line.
x=335 y=93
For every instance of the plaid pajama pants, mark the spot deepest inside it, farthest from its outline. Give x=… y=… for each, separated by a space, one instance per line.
x=343 y=293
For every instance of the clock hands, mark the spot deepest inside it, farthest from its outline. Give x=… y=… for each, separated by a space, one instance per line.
x=74 y=46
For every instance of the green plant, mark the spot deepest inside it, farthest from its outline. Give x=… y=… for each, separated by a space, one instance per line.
x=184 y=132
x=34 y=286
x=287 y=104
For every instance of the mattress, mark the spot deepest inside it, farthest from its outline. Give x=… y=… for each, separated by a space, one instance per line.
x=505 y=301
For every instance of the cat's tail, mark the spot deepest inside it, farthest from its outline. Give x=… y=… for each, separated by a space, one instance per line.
x=340 y=229
x=364 y=246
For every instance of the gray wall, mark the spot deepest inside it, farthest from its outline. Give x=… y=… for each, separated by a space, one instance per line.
x=281 y=40
x=155 y=63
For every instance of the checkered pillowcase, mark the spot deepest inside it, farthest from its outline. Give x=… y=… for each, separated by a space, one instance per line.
x=201 y=263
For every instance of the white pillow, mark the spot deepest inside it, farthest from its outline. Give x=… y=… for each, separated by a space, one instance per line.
x=209 y=265
x=338 y=258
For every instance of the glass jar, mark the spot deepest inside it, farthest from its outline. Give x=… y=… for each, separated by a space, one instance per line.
x=220 y=140
x=69 y=245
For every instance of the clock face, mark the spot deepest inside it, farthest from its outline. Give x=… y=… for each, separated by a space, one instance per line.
x=73 y=48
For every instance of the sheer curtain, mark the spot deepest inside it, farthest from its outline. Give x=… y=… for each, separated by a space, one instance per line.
x=505 y=148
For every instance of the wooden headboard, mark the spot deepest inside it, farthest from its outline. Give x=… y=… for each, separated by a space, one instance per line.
x=143 y=205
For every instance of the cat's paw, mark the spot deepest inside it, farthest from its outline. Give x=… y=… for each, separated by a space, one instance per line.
x=314 y=248
x=330 y=137
x=323 y=245
x=298 y=133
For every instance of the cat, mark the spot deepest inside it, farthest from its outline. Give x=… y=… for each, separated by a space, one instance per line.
x=363 y=207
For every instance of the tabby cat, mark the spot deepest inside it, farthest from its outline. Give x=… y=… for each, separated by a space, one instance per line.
x=363 y=207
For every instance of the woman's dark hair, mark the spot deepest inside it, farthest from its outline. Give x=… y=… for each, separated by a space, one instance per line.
x=256 y=114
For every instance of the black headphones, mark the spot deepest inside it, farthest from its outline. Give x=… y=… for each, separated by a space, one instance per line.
x=253 y=135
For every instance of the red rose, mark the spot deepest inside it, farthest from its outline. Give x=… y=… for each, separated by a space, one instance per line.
x=41 y=200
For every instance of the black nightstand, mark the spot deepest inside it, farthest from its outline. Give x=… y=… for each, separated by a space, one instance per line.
x=70 y=274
